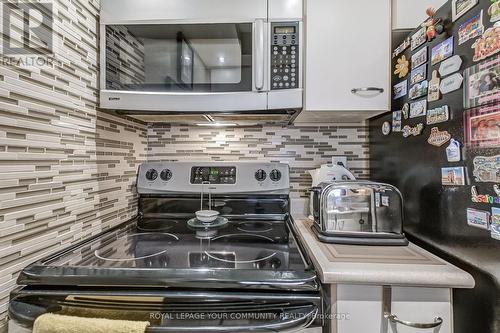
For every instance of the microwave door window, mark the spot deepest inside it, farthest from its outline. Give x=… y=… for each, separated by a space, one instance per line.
x=179 y=57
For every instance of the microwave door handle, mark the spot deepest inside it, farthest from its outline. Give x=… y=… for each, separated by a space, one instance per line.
x=259 y=54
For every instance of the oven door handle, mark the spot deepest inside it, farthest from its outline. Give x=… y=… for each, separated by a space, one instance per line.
x=291 y=320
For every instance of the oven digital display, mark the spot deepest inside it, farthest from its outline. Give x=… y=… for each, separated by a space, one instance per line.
x=284 y=30
x=214 y=175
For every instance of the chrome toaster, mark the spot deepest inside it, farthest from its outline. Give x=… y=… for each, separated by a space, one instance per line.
x=358 y=212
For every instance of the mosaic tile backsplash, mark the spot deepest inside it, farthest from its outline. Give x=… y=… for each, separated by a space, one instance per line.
x=303 y=148
x=67 y=170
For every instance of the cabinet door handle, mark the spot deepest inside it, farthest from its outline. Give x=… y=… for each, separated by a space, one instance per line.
x=357 y=90
x=394 y=319
x=386 y=310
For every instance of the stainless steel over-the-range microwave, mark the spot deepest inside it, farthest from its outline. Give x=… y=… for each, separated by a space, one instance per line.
x=201 y=55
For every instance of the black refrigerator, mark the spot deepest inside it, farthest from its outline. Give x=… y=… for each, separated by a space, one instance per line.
x=440 y=146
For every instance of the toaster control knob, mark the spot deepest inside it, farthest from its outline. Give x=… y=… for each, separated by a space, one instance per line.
x=165 y=175
x=275 y=175
x=260 y=175
x=151 y=174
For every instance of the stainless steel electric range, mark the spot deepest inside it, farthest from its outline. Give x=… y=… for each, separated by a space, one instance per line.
x=246 y=271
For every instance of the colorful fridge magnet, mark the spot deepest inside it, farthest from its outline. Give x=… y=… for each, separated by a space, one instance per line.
x=418 y=38
x=386 y=128
x=453 y=151
x=432 y=25
x=482 y=83
x=478 y=218
x=488 y=44
x=495 y=223
x=400 y=89
x=396 y=121
x=453 y=176
x=484 y=129
x=450 y=65
x=438 y=138
x=451 y=83
x=434 y=92
x=406 y=110
x=460 y=7
x=487 y=169
x=471 y=29
x=438 y=115
x=418 y=108
x=418 y=90
x=442 y=51
x=418 y=74
x=402 y=67
x=416 y=130
x=400 y=49
x=494 y=11
x=484 y=198
x=419 y=58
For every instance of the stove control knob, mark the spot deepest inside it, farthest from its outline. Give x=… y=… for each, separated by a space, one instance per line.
x=275 y=175
x=166 y=175
x=260 y=175
x=151 y=174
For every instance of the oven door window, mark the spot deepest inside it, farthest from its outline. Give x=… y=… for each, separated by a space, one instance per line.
x=179 y=57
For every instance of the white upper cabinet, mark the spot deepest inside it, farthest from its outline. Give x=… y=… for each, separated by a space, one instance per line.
x=347 y=47
x=408 y=14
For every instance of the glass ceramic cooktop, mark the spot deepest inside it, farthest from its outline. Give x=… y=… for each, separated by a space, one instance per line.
x=172 y=243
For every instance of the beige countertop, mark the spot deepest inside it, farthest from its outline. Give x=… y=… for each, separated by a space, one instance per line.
x=379 y=265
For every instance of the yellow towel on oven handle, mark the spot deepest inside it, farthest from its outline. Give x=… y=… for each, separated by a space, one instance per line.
x=54 y=323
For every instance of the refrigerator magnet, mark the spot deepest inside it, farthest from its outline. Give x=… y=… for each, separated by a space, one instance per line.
x=488 y=44
x=419 y=58
x=396 y=121
x=438 y=115
x=481 y=83
x=481 y=127
x=495 y=223
x=418 y=74
x=478 y=218
x=451 y=83
x=406 y=110
x=413 y=131
x=484 y=198
x=418 y=90
x=418 y=38
x=453 y=176
x=434 y=92
x=400 y=89
x=386 y=128
x=402 y=67
x=486 y=169
x=471 y=29
x=442 y=51
x=450 y=65
x=460 y=7
x=400 y=49
x=438 y=138
x=453 y=151
x=432 y=26
x=494 y=11
x=418 y=108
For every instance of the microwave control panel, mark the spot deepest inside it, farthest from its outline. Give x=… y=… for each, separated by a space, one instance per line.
x=284 y=55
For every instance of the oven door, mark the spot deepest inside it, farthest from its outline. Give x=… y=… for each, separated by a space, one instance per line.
x=175 y=311
x=190 y=55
